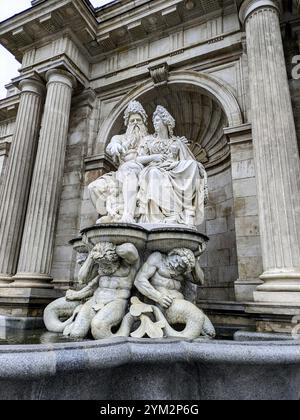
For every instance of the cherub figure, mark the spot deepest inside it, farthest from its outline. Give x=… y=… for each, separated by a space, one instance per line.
x=114 y=204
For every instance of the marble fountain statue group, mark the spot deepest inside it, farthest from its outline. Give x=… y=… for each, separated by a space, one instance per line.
x=139 y=265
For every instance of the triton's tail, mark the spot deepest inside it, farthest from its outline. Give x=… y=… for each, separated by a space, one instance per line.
x=208 y=328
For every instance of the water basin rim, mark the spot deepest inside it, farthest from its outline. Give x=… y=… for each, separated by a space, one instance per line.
x=201 y=343
x=32 y=362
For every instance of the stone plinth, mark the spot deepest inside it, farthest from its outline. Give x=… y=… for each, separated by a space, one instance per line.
x=25 y=302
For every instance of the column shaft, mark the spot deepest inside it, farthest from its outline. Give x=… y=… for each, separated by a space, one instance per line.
x=276 y=150
x=37 y=245
x=18 y=175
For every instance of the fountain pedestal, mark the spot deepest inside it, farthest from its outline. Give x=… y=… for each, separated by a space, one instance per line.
x=135 y=282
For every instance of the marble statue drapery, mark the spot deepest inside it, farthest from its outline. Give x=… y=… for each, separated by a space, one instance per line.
x=172 y=190
x=158 y=180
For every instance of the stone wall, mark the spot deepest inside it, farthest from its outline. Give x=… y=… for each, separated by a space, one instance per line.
x=295 y=93
x=245 y=212
x=68 y=226
x=220 y=260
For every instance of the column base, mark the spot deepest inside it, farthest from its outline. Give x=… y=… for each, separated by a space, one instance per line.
x=5 y=280
x=26 y=302
x=279 y=287
x=244 y=289
x=34 y=281
x=277 y=297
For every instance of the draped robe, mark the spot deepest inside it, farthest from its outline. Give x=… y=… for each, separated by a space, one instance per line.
x=173 y=191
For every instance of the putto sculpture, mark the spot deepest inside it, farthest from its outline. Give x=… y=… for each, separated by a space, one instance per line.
x=142 y=256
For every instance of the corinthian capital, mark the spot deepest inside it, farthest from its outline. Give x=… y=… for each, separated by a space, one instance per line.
x=249 y=7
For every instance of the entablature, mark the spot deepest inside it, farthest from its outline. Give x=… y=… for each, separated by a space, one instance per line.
x=101 y=31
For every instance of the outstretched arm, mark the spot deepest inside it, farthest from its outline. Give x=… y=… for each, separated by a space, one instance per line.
x=142 y=281
x=128 y=253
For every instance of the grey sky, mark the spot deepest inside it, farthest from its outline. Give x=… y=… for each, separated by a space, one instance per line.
x=8 y=65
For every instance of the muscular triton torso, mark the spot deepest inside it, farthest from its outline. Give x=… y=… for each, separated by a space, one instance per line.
x=165 y=284
x=105 y=286
x=116 y=286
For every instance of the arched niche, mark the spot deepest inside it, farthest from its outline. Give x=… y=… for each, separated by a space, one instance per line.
x=202 y=106
x=205 y=84
x=198 y=117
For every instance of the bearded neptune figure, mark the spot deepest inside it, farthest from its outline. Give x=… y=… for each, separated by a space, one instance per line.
x=125 y=182
x=158 y=184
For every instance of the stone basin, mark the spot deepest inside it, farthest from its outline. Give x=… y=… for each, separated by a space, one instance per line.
x=166 y=369
x=146 y=239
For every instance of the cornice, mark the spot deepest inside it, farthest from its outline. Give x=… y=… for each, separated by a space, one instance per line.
x=115 y=27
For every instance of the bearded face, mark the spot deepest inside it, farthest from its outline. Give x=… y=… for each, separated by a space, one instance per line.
x=181 y=261
x=176 y=265
x=104 y=254
x=136 y=130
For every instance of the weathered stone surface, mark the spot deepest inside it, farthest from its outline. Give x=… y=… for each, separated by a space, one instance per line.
x=249 y=247
x=244 y=187
x=217 y=226
x=243 y=169
x=246 y=206
x=247 y=226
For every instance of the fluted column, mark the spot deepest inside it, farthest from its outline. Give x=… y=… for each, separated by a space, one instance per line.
x=18 y=174
x=276 y=153
x=38 y=238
